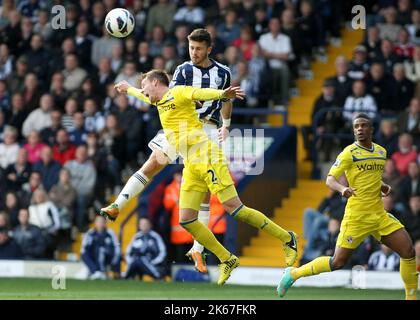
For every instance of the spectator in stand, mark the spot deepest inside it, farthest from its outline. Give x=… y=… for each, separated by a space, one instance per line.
x=414 y=28
x=87 y=92
x=83 y=178
x=48 y=168
x=404 y=48
x=29 y=237
x=49 y=134
x=359 y=101
x=129 y=120
x=145 y=60
x=9 y=148
x=104 y=76
x=170 y=57
x=378 y=85
x=181 y=240
x=359 y=65
x=308 y=27
x=373 y=43
x=18 y=113
x=401 y=90
x=34 y=147
x=40 y=118
x=191 y=14
x=387 y=56
x=324 y=244
x=37 y=57
x=157 y=41
x=73 y=74
x=101 y=250
x=43 y=26
x=412 y=67
x=411 y=218
x=25 y=193
x=83 y=44
x=114 y=142
x=9 y=249
x=388 y=137
x=404 y=12
x=102 y=47
x=389 y=29
x=161 y=13
x=390 y=175
x=409 y=186
x=218 y=45
x=16 y=80
x=18 y=173
x=11 y=208
x=384 y=260
x=229 y=29
x=327 y=122
x=96 y=17
x=409 y=120
x=94 y=119
x=63 y=150
x=63 y=195
x=70 y=109
x=78 y=134
x=146 y=252
x=57 y=90
x=4 y=97
x=6 y=62
x=341 y=81
x=44 y=214
x=128 y=74
x=405 y=154
x=245 y=42
x=277 y=48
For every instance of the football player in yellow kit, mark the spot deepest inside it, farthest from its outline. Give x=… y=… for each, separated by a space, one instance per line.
x=363 y=164
x=205 y=166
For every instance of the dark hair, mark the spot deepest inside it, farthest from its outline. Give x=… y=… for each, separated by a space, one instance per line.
x=158 y=75
x=361 y=115
x=200 y=35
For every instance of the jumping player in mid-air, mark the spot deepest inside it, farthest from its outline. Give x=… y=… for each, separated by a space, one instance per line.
x=205 y=166
x=200 y=72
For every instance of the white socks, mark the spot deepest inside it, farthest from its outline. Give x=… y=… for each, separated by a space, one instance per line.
x=134 y=186
x=203 y=217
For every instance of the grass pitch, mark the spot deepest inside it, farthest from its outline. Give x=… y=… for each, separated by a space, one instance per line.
x=41 y=289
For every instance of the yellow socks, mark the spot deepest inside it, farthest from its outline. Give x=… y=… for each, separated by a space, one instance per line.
x=316 y=266
x=409 y=276
x=203 y=235
x=259 y=220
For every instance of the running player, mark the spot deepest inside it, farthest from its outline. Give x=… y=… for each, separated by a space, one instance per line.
x=363 y=164
x=205 y=166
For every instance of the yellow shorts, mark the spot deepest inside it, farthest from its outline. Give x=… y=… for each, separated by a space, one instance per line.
x=353 y=232
x=201 y=174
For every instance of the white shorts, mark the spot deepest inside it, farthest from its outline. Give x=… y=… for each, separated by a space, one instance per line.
x=160 y=143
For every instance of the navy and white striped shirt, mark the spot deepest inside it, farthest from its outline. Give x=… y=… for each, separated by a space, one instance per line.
x=216 y=76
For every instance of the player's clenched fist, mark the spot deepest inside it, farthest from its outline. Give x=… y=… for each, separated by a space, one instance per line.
x=122 y=86
x=348 y=192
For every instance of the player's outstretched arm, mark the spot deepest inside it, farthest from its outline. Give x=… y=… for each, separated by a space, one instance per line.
x=126 y=88
x=205 y=94
x=333 y=184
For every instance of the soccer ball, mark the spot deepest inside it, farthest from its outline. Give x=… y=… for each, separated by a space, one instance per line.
x=119 y=22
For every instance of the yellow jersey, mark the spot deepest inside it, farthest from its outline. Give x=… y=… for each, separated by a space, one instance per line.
x=178 y=115
x=363 y=169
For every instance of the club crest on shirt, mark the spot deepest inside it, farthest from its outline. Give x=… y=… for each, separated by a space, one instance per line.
x=381 y=152
x=349 y=239
x=218 y=81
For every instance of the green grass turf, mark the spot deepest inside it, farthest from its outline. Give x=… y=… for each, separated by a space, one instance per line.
x=19 y=288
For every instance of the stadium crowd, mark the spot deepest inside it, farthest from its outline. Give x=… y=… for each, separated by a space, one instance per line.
x=68 y=141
